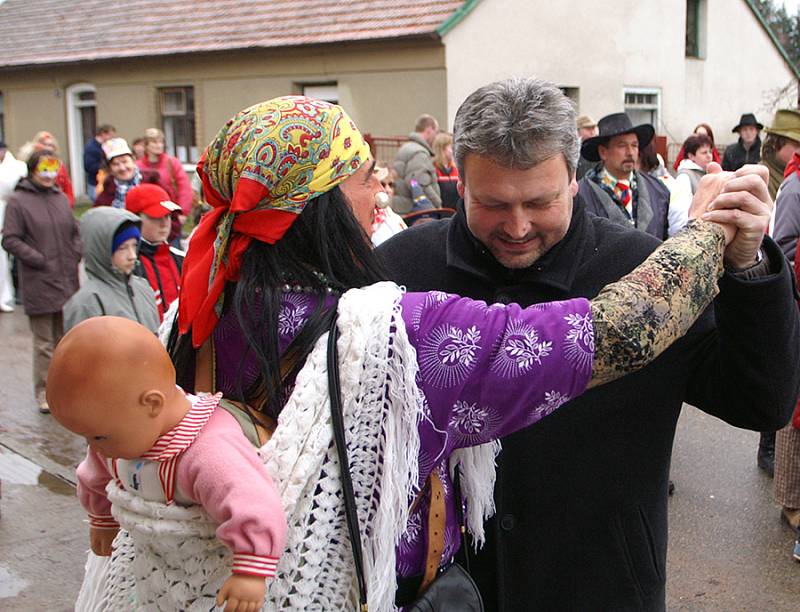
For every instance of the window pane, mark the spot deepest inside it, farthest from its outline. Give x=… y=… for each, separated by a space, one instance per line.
x=692 y=28
x=86 y=96
x=177 y=120
x=88 y=122
x=328 y=92
x=173 y=102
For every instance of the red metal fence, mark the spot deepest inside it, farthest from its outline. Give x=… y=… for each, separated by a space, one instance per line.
x=384 y=148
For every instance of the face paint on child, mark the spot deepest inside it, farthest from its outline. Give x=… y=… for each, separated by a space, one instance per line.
x=47 y=168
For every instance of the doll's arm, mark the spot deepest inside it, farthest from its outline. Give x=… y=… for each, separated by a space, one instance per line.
x=222 y=472
x=93 y=476
x=243 y=593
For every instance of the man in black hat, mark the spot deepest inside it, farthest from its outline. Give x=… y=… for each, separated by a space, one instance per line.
x=748 y=149
x=615 y=189
x=581 y=499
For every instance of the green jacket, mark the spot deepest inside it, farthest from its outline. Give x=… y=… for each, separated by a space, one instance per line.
x=109 y=291
x=414 y=160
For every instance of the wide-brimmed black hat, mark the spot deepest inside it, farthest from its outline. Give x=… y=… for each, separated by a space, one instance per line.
x=747 y=119
x=615 y=125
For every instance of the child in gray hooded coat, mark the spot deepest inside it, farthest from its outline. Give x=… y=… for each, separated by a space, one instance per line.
x=110 y=239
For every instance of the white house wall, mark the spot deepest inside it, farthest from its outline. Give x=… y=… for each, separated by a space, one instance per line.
x=607 y=46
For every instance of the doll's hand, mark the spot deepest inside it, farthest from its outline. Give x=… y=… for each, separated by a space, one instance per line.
x=101 y=540
x=243 y=593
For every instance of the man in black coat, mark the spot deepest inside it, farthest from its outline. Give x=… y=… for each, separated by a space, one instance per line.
x=581 y=519
x=747 y=150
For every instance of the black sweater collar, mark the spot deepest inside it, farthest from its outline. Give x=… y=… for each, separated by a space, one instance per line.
x=556 y=268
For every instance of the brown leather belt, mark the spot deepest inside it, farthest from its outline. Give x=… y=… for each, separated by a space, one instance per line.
x=437 y=515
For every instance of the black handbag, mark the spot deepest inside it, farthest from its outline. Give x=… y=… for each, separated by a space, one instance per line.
x=453 y=590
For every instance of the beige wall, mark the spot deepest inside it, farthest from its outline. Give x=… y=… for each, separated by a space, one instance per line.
x=644 y=47
x=384 y=87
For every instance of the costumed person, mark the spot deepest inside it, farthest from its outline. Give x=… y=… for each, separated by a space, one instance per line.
x=387 y=223
x=41 y=232
x=45 y=140
x=110 y=239
x=11 y=171
x=149 y=438
x=428 y=380
x=123 y=174
x=159 y=263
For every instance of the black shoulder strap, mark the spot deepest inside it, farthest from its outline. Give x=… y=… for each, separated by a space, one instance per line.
x=341 y=448
x=100 y=304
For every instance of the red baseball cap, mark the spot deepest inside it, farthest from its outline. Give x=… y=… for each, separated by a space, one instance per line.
x=149 y=199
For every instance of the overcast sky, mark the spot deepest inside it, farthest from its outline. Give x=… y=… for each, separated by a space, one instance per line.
x=791 y=5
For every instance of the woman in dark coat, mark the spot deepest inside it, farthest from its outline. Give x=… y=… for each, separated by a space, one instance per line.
x=41 y=232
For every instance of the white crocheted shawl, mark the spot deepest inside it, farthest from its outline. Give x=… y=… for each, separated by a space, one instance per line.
x=167 y=558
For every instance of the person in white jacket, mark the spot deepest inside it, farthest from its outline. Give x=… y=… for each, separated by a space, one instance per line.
x=11 y=170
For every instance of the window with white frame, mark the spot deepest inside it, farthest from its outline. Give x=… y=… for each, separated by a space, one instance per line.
x=329 y=92
x=643 y=105
x=176 y=105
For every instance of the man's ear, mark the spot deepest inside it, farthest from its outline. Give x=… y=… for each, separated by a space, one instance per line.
x=460 y=188
x=153 y=401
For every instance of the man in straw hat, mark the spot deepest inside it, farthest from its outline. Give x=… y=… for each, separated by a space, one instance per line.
x=614 y=188
x=781 y=143
x=748 y=149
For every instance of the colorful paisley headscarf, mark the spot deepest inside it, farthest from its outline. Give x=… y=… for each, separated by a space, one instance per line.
x=258 y=174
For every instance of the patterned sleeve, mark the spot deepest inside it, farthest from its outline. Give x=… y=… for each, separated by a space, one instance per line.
x=640 y=315
x=487 y=371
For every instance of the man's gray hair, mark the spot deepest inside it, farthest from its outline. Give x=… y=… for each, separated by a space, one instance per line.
x=516 y=123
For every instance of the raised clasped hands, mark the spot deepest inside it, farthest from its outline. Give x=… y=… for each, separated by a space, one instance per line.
x=242 y=593
x=740 y=202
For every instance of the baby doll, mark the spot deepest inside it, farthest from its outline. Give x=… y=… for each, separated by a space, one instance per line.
x=112 y=382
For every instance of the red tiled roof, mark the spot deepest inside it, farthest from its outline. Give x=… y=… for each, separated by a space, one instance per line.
x=60 y=31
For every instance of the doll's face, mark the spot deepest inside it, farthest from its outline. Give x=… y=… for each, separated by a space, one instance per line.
x=116 y=429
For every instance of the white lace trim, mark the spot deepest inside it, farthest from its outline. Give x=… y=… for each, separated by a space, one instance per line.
x=167 y=558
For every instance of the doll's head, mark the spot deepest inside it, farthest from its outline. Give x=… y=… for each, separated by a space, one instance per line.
x=112 y=382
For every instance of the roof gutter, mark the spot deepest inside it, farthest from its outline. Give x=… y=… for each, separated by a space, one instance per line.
x=456 y=17
x=774 y=38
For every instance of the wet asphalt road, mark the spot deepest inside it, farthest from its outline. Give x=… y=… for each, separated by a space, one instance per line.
x=728 y=549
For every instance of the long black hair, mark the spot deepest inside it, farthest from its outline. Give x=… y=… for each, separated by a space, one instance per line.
x=326 y=238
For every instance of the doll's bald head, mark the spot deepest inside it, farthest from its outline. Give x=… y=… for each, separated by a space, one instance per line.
x=111 y=369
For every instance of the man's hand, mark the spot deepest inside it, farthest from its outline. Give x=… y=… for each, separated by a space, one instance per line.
x=243 y=593
x=744 y=203
x=101 y=540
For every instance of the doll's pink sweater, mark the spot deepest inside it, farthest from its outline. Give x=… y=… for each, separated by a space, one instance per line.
x=221 y=472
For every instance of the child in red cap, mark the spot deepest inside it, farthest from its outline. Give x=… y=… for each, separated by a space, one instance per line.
x=159 y=263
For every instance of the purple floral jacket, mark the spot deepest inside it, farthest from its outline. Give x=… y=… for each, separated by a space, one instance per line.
x=485 y=371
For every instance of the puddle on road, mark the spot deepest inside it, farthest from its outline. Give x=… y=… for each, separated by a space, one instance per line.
x=16 y=469
x=11 y=585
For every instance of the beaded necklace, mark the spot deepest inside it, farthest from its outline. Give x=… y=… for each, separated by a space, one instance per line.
x=330 y=287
